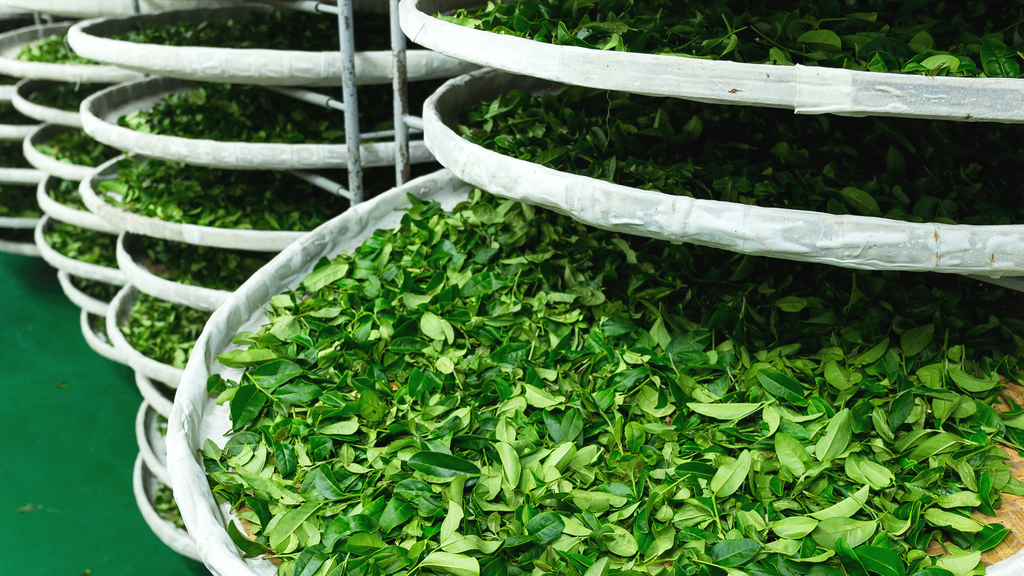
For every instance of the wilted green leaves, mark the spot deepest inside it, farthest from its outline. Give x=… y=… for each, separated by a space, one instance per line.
x=166 y=332
x=481 y=392
x=901 y=169
x=926 y=38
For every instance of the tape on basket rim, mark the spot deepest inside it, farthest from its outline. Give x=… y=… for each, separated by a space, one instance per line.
x=101 y=110
x=11 y=42
x=804 y=89
x=87 y=303
x=74 y=267
x=39 y=112
x=144 y=485
x=198 y=297
x=226 y=238
x=93 y=340
x=93 y=39
x=47 y=164
x=194 y=408
x=850 y=241
x=67 y=214
x=118 y=314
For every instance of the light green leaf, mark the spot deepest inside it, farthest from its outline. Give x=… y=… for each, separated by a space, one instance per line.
x=730 y=477
x=837 y=437
x=457 y=564
x=844 y=508
x=937 y=517
x=734 y=411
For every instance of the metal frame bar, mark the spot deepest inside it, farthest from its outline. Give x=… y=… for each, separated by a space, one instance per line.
x=405 y=124
x=400 y=97
x=310 y=6
x=346 y=33
x=323 y=183
x=308 y=96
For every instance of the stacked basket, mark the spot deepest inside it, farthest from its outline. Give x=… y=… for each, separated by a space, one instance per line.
x=18 y=213
x=852 y=241
x=154 y=283
x=88 y=284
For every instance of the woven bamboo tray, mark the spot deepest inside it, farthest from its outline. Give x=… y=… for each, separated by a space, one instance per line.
x=1011 y=513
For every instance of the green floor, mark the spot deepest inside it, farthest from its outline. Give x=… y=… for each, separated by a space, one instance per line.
x=67 y=443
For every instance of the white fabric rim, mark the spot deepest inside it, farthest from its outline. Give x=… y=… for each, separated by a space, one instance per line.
x=11 y=43
x=803 y=89
x=152 y=394
x=19 y=248
x=58 y=211
x=144 y=485
x=42 y=113
x=81 y=299
x=47 y=164
x=101 y=111
x=21 y=175
x=74 y=267
x=11 y=132
x=195 y=417
x=98 y=345
x=227 y=238
x=849 y=241
x=198 y=297
x=151 y=444
x=93 y=39
x=117 y=315
x=13 y=223
x=98 y=8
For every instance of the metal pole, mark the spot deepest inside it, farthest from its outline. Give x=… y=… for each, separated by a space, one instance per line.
x=346 y=30
x=135 y=7
x=308 y=96
x=323 y=183
x=400 y=83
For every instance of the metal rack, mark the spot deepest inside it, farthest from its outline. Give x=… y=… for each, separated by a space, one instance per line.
x=404 y=124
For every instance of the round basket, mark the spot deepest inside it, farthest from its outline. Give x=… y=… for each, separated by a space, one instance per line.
x=117 y=316
x=74 y=267
x=93 y=39
x=81 y=299
x=23 y=89
x=96 y=342
x=58 y=211
x=157 y=395
x=850 y=241
x=227 y=238
x=64 y=170
x=197 y=297
x=151 y=443
x=195 y=417
x=145 y=486
x=804 y=89
x=101 y=111
x=11 y=43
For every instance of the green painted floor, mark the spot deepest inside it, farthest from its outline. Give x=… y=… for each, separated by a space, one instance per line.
x=67 y=443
